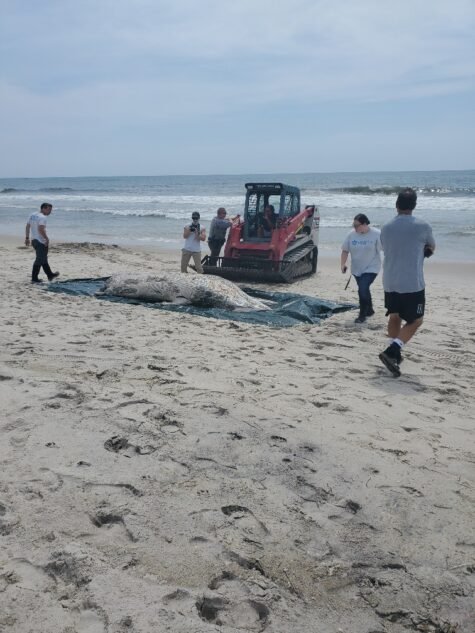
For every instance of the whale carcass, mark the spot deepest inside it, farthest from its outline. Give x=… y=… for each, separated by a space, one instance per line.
x=171 y=287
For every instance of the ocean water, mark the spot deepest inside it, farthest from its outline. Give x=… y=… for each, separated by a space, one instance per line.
x=152 y=210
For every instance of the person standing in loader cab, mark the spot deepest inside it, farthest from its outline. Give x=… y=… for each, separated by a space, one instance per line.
x=406 y=241
x=40 y=242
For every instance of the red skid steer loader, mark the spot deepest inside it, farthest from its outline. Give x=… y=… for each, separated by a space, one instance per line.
x=275 y=240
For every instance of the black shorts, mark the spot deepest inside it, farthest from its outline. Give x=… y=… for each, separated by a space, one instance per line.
x=408 y=305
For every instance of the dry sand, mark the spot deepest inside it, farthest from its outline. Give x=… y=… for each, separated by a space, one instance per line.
x=165 y=472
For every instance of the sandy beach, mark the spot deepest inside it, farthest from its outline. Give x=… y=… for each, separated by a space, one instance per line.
x=168 y=472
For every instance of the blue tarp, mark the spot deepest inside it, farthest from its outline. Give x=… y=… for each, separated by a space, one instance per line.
x=287 y=308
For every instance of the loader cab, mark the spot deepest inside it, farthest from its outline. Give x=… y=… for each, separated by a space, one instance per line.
x=267 y=206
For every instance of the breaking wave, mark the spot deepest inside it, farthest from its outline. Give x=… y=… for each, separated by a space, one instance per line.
x=394 y=190
x=56 y=189
x=40 y=190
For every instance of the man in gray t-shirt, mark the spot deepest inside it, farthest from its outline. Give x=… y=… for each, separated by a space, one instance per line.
x=406 y=240
x=217 y=234
x=363 y=245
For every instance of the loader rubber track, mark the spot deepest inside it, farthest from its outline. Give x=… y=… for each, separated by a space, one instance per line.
x=298 y=263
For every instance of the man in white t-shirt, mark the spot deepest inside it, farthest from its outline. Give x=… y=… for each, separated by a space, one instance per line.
x=193 y=234
x=39 y=240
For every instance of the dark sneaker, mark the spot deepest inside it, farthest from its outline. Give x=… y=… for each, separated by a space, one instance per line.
x=53 y=276
x=369 y=312
x=360 y=319
x=395 y=350
x=391 y=358
x=36 y=281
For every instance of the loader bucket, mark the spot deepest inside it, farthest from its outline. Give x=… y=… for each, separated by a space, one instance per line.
x=261 y=271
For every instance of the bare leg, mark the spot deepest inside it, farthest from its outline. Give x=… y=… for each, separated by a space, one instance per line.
x=394 y=325
x=408 y=331
x=404 y=333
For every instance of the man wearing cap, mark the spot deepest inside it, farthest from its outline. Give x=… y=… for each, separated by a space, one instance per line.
x=193 y=235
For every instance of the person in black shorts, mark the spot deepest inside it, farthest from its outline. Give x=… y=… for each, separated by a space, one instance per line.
x=409 y=306
x=406 y=241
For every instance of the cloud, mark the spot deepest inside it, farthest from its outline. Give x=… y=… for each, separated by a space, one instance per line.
x=114 y=65
x=304 y=42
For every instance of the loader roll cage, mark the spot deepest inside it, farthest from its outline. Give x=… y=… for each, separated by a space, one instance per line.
x=284 y=198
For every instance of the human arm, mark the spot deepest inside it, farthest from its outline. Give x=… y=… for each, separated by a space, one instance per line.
x=187 y=231
x=211 y=229
x=345 y=251
x=203 y=235
x=268 y=222
x=42 y=232
x=27 y=233
x=379 y=246
x=429 y=246
x=343 y=260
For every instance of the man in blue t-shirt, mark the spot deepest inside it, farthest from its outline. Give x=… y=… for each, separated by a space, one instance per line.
x=406 y=240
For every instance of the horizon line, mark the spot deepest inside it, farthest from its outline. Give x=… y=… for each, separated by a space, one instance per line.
x=255 y=173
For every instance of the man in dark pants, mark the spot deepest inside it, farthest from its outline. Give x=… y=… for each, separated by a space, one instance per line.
x=217 y=234
x=40 y=242
x=363 y=245
x=406 y=240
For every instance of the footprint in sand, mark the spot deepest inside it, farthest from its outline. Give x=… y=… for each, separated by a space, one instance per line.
x=241 y=525
x=25 y=574
x=232 y=604
x=239 y=529
x=68 y=568
x=177 y=595
x=163 y=420
x=91 y=621
x=7 y=519
x=117 y=444
x=105 y=518
x=244 y=520
x=311 y=493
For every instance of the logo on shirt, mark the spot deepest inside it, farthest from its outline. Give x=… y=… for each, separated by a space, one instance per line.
x=360 y=242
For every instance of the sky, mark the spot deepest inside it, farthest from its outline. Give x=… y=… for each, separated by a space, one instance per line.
x=157 y=87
